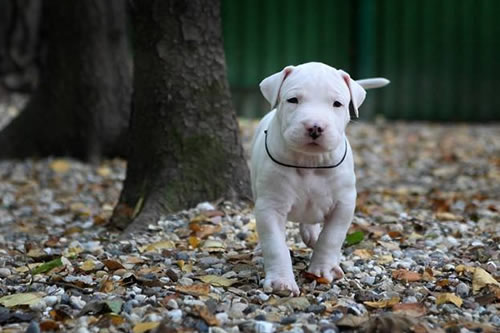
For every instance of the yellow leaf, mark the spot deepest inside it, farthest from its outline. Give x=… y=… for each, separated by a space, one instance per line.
x=158 y=246
x=88 y=266
x=385 y=259
x=21 y=299
x=213 y=245
x=463 y=268
x=104 y=171
x=217 y=281
x=448 y=298
x=202 y=289
x=481 y=279
x=363 y=253
x=60 y=166
x=447 y=216
x=384 y=303
x=194 y=241
x=146 y=326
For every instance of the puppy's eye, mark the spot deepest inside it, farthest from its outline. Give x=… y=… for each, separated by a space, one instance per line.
x=337 y=104
x=293 y=100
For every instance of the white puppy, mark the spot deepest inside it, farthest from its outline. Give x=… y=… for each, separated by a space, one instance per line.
x=302 y=167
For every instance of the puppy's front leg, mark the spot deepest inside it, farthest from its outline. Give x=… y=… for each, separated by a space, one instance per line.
x=327 y=252
x=277 y=261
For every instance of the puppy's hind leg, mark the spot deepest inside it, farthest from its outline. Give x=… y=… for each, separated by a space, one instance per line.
x=310 y=233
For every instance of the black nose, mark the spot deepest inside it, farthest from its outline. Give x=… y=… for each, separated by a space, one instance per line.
x=315 y=132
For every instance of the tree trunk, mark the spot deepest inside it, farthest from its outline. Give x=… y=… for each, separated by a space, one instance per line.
x=185 y=145
x=82 y=103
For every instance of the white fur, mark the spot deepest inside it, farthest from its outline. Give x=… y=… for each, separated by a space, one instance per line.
x=308 y=196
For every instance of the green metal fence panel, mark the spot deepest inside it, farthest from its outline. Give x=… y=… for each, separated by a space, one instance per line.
x=439 y=54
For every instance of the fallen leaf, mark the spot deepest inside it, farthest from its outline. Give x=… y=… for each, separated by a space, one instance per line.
x=49 y=325
x=217 y=281
x=158 y=246
x=481 y=279
x=60 y=166
x=10 y=301
x=384 y=303
x=60 y=314
x=107 y=286
x=45 y=267
x=88 y=266
x=410 y=309
x=354 y=238
x=405 y=275
x=448 y=298
x=213 y=246
x=443 y=283
x=201 y=289
x=363 y=253
x=389 y=245
x=447 y=216
x=193 y=241
x=112 y=265
x=385 y=259
x=206 y=315
x=146 y=326
x=318 y=279
x=206 y=230
x=463 y=268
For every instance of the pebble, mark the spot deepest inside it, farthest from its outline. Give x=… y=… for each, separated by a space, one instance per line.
x=263 y=327
x=77 y=302
x=316 y=308
x=208 y=261
x=172 y=304
x=175 y=315
x=50 y=300
x=185 y=281
x=205 y=206
x=369 y=280
x=288 y=320
x=491 y=267
x=263 y=297
x=222 y=317
x=462 y=290
x=38 y=306
x=4 y=272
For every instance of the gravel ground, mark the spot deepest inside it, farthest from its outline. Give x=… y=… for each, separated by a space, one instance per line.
x=428 y=212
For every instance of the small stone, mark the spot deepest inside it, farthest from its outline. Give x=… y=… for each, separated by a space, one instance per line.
x=222 y=317
x=50 y=300
x=491 y=267
x=369 y=280
x=205 y=206
x=236 y=310
x=397 y=253
x=208 y=261
x=185 y=281
x=242 y=235
x=449 y=267
x=4 y=272
x=462 y=289
x=182 y=256
x=120 y=272
x=410 y=299
x=263 y=297
x=215 y=329
x=263 y=327
x=33 y=328
x=82 y=330
x=495 y=320
x=38 y=306
x=175 y=315
x=76 y=302
x=288 y=320
x=316 y=308
x=172 y=304
x=477 y=243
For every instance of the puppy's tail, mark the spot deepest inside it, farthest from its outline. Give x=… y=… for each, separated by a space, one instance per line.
x=375 y=82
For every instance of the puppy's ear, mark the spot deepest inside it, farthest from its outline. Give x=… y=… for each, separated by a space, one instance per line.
x=271 y=85
x=357 y=92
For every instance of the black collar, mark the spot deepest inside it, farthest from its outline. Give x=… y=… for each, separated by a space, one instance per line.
x=304 y=167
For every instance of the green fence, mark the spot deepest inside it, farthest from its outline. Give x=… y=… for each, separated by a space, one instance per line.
x=440 y=55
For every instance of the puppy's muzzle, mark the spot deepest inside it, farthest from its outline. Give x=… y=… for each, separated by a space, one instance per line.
x=315 y=131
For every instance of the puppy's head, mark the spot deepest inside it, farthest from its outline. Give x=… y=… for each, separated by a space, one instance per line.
x=313 y=102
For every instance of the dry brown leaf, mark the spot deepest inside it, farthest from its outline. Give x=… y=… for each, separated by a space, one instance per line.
x=206 y=230
x=384 y=303
x=112 y=265
x=49 y=325
x=146 y=326
x=363 y=253
x=206 y=315
x=448 y=298
x=318 y=279
x=217 y=281
x=481 y=279
x=201 y=289
x=410 y=309
x=405 y=275
x=443 y=283
x=428 y=274
x=107 y=286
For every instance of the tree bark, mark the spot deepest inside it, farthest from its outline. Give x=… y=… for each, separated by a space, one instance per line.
x=185 y=145
x=82 y=103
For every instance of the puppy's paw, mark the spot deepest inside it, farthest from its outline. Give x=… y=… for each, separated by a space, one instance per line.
x=327 y=271
x=310 y=233
x=277 y=284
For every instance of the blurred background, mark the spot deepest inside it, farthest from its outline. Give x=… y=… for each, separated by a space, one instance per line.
x=440 y=55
